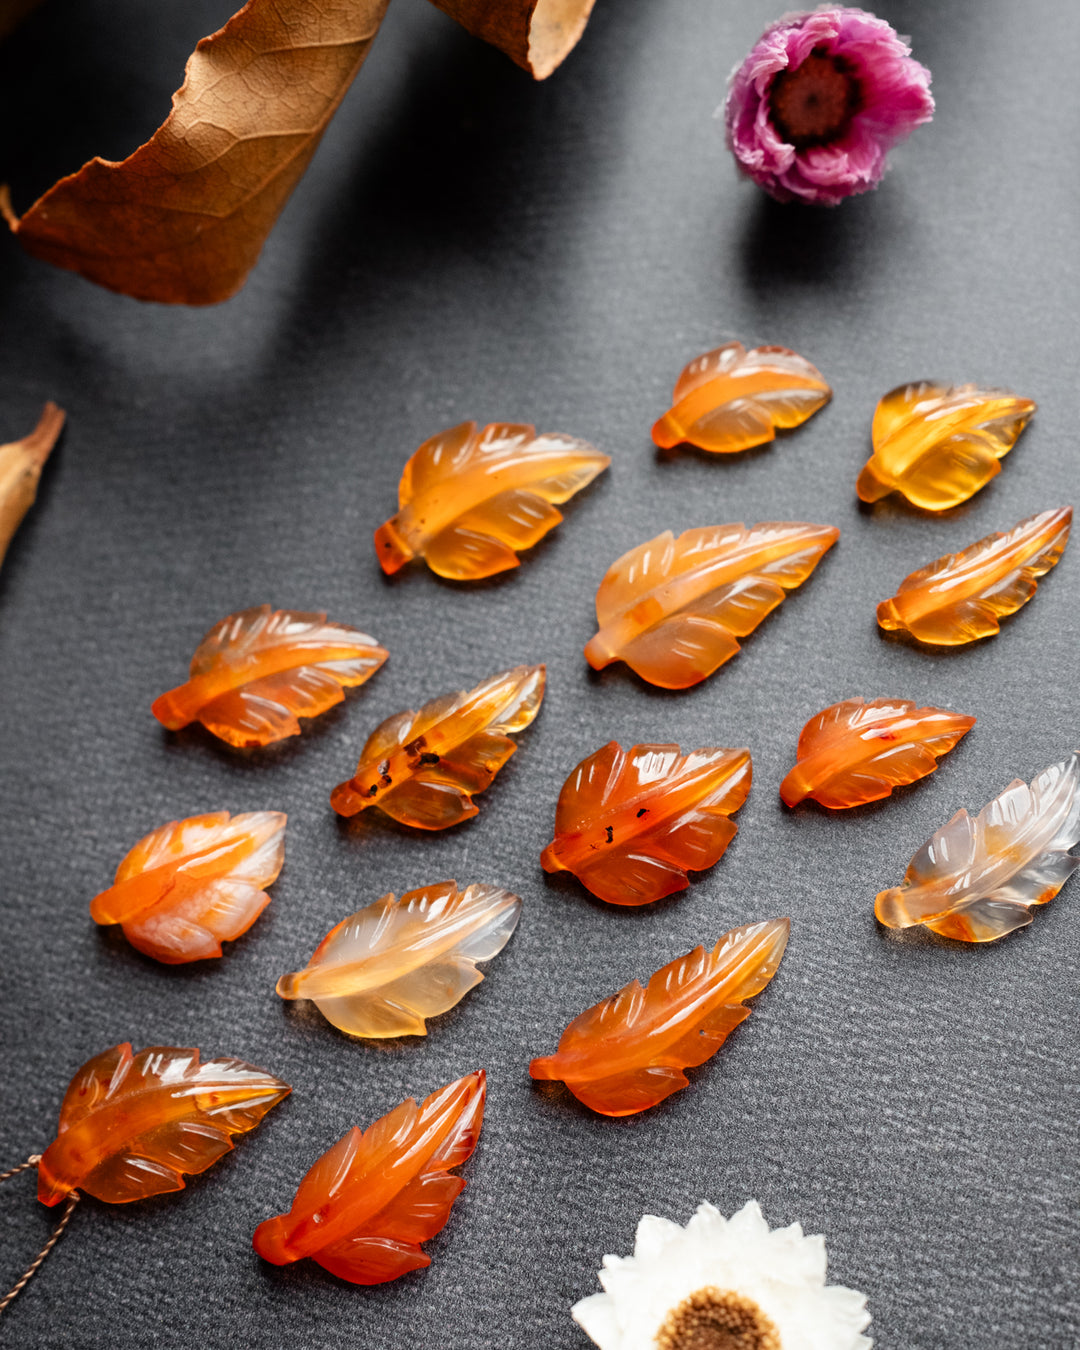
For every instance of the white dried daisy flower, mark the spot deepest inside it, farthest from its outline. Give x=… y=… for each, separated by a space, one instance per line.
x=722 y=1284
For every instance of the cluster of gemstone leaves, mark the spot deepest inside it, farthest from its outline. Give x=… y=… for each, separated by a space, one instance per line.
x=630 y=824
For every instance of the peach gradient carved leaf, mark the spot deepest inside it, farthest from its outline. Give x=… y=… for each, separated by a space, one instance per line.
x=422 y=768
x=469 y=499
x=855 y=752
x=182 y=220
x=21 y=463
x=938 y=446
x=366 y=1205
x=537 y=34
x=631 y=823
x=731 y=399
x=132 y=1125
x=193 y=884
x=977 y=880
x=960 y=597
x=672 y=609
x=629 y=1052
x=389 y=966
x=259 y=670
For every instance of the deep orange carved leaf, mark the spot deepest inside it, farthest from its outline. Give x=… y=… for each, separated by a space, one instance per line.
x=193 y=884
x=855 y=752
x=422 y=768
x=182 y=220
x=132 y=1125
x=672 y=609
x=960 y=597
x=631 y=823
x=21 y=463
x=469 y=498
x=366 y=1205
x=937 y=445
x=259 y=670
x=731 y=399
x=629 y=1052
x=537 y=34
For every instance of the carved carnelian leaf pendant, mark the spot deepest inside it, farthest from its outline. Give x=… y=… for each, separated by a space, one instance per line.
x=628 y=1052
x=193 y=884
x=470 y=499
x=938 y=446
x=976 y=880
x=960 y=597
x=366 y=1205
x=132 y=1125
x=423 y=767
x=673 y=609
x=259 y=670
x=731 y=399
x=631 y=823
x=855 y=752
x=386 y=968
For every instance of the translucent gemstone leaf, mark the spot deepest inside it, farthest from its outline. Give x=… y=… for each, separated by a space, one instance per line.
x=629 y=1052
x=961 y=597
x=673 y=609
x=631 y=823
x=855 y=752
x=422 y=768
x=387 y=967
x=977 y=880
x=195 y=883
x=731 y=399
x=937 y=445
x=131 y=1125
x=259 y=670
x=470 y=499
x=367 y=1203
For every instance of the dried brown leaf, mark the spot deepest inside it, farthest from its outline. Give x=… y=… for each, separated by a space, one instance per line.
x=21 y=463
x=537 y=34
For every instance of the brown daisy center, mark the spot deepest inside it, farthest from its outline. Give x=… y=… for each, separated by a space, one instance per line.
x=814 y=103
x=717 y=1319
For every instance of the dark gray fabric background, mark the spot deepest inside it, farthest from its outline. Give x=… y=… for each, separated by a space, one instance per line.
x=469 y=244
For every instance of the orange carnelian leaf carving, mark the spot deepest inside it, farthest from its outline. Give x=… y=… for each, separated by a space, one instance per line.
x=731 y=399
x=193 y=884
x=259 y=670
x=960 y=597
x=629 y=1052
x=977 y=880
x=422 y=768
x=672 y=609
x=855 y=752
x=389 y=966
x=631 y=823
x=469 y=499
x=132 y=1125
x=366 y=1205
x=938 y=445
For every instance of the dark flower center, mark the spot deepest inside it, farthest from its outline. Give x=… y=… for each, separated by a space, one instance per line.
x=814 y=103
x=716 y=1319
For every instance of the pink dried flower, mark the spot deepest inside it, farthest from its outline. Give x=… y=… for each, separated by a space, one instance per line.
x=823 y=96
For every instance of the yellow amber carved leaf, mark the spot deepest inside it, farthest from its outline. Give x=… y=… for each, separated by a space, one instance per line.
x=259 y=670
x=366 y=1205
x=132 y=1125
x=629 y=1052
x=939 y=445
x=672 y=609
x=193 y=884
x=469 y=499
x=386 y=968
x=977 y=880
x=960 y=597
x=731 y=399
x=857 y=752
x=422 y=768
x=631 y=823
